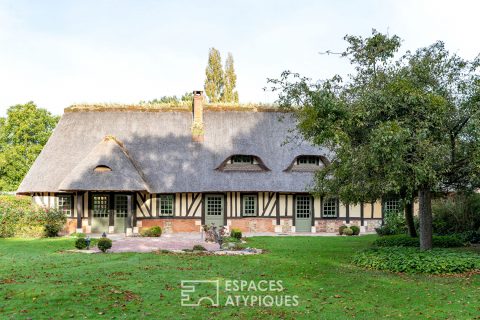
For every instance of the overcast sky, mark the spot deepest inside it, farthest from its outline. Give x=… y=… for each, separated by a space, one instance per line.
x=57 y=53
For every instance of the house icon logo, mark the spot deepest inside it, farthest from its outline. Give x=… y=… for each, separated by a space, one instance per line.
x=197 y=292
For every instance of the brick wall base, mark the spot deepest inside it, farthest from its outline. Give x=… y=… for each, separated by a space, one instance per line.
x=173 y=225
x=253 y=224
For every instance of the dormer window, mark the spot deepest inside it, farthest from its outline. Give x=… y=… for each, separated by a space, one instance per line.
x=242 y=162
x=242 y=159
x=102 y=168
x=315 y=160
x=307 y=163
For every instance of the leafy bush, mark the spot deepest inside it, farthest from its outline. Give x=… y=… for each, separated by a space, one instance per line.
x=20 y=218
x=236 y=233
x=469 y=236
x=104 y=244
x=407 y=241
x=411 y=260
x=155 y=231
x=393 y=223
x=54 y=222
x=456 y=214
x=356 y=230
x=199 y=247
x=341 y=228
x=81 y=243
x=348 y=232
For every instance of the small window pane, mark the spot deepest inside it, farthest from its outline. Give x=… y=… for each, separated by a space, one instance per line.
x=308 y=160
x=166 y=205
x=303 y=206
x=392 y=205
x=65 y=204
x=330 y=208
x=100 y=206
x=121 y=206
x=242 y=159
x=249 y=205
x=214 y=205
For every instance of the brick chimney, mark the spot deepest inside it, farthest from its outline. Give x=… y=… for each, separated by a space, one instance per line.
x=197 y=126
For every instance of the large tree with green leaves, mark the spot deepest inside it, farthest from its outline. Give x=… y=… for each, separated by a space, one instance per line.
x=406 y=126
x=23 y=133
x=214 y=80
x=229 y=93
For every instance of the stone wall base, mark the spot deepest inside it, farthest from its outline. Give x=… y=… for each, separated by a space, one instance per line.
x=327 y=225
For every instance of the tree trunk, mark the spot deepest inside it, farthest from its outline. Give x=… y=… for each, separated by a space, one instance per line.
x=409 y=219
x=425 y=212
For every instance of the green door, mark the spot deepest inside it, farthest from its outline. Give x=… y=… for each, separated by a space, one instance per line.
x=121 y=211
x=214 y=212
x=303 y=214
x=100 y=213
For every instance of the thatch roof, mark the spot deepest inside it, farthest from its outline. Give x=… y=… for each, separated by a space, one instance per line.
x=157 y=152
x=109 y=153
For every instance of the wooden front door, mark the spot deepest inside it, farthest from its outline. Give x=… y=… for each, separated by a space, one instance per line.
x=120 y=213
x=100 y=213
x=214 y=210
x=303 y=214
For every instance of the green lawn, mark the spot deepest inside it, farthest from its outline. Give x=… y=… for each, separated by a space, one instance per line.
x=37 y=282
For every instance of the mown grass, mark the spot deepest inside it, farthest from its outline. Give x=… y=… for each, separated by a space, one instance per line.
x=37 y=281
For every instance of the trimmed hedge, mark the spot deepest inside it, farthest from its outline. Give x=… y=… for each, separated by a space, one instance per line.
x=104 y=244
x=411 y=260
x=155 y=231
x=407 y=241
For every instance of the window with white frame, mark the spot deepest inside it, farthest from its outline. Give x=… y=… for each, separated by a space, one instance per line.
x=249 y=205
x=329 y=208
x=392 y=205
x=165 y=204
x=65 y=204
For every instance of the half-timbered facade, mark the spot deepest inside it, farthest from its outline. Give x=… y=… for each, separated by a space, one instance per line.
x=122 y=169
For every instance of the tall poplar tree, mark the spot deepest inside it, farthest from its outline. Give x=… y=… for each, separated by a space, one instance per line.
x=230 y=82
x=214 y=76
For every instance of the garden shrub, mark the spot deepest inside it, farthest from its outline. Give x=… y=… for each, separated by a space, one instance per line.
x=407 y=241
x=456 y=214
x=20 y=218
x=81 y=243
x=54 y=222
x=356 y=230
x=348 y=231
x=199 y=247
x=104 y=244
x=155 y=231
x=236 y=233
x=412 y=260
x=393 y=223
x=470 y=236
x=341 y=228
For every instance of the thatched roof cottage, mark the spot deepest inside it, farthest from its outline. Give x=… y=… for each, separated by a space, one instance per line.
x=121 y=168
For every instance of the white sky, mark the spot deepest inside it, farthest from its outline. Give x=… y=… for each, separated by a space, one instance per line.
x=62 y=52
